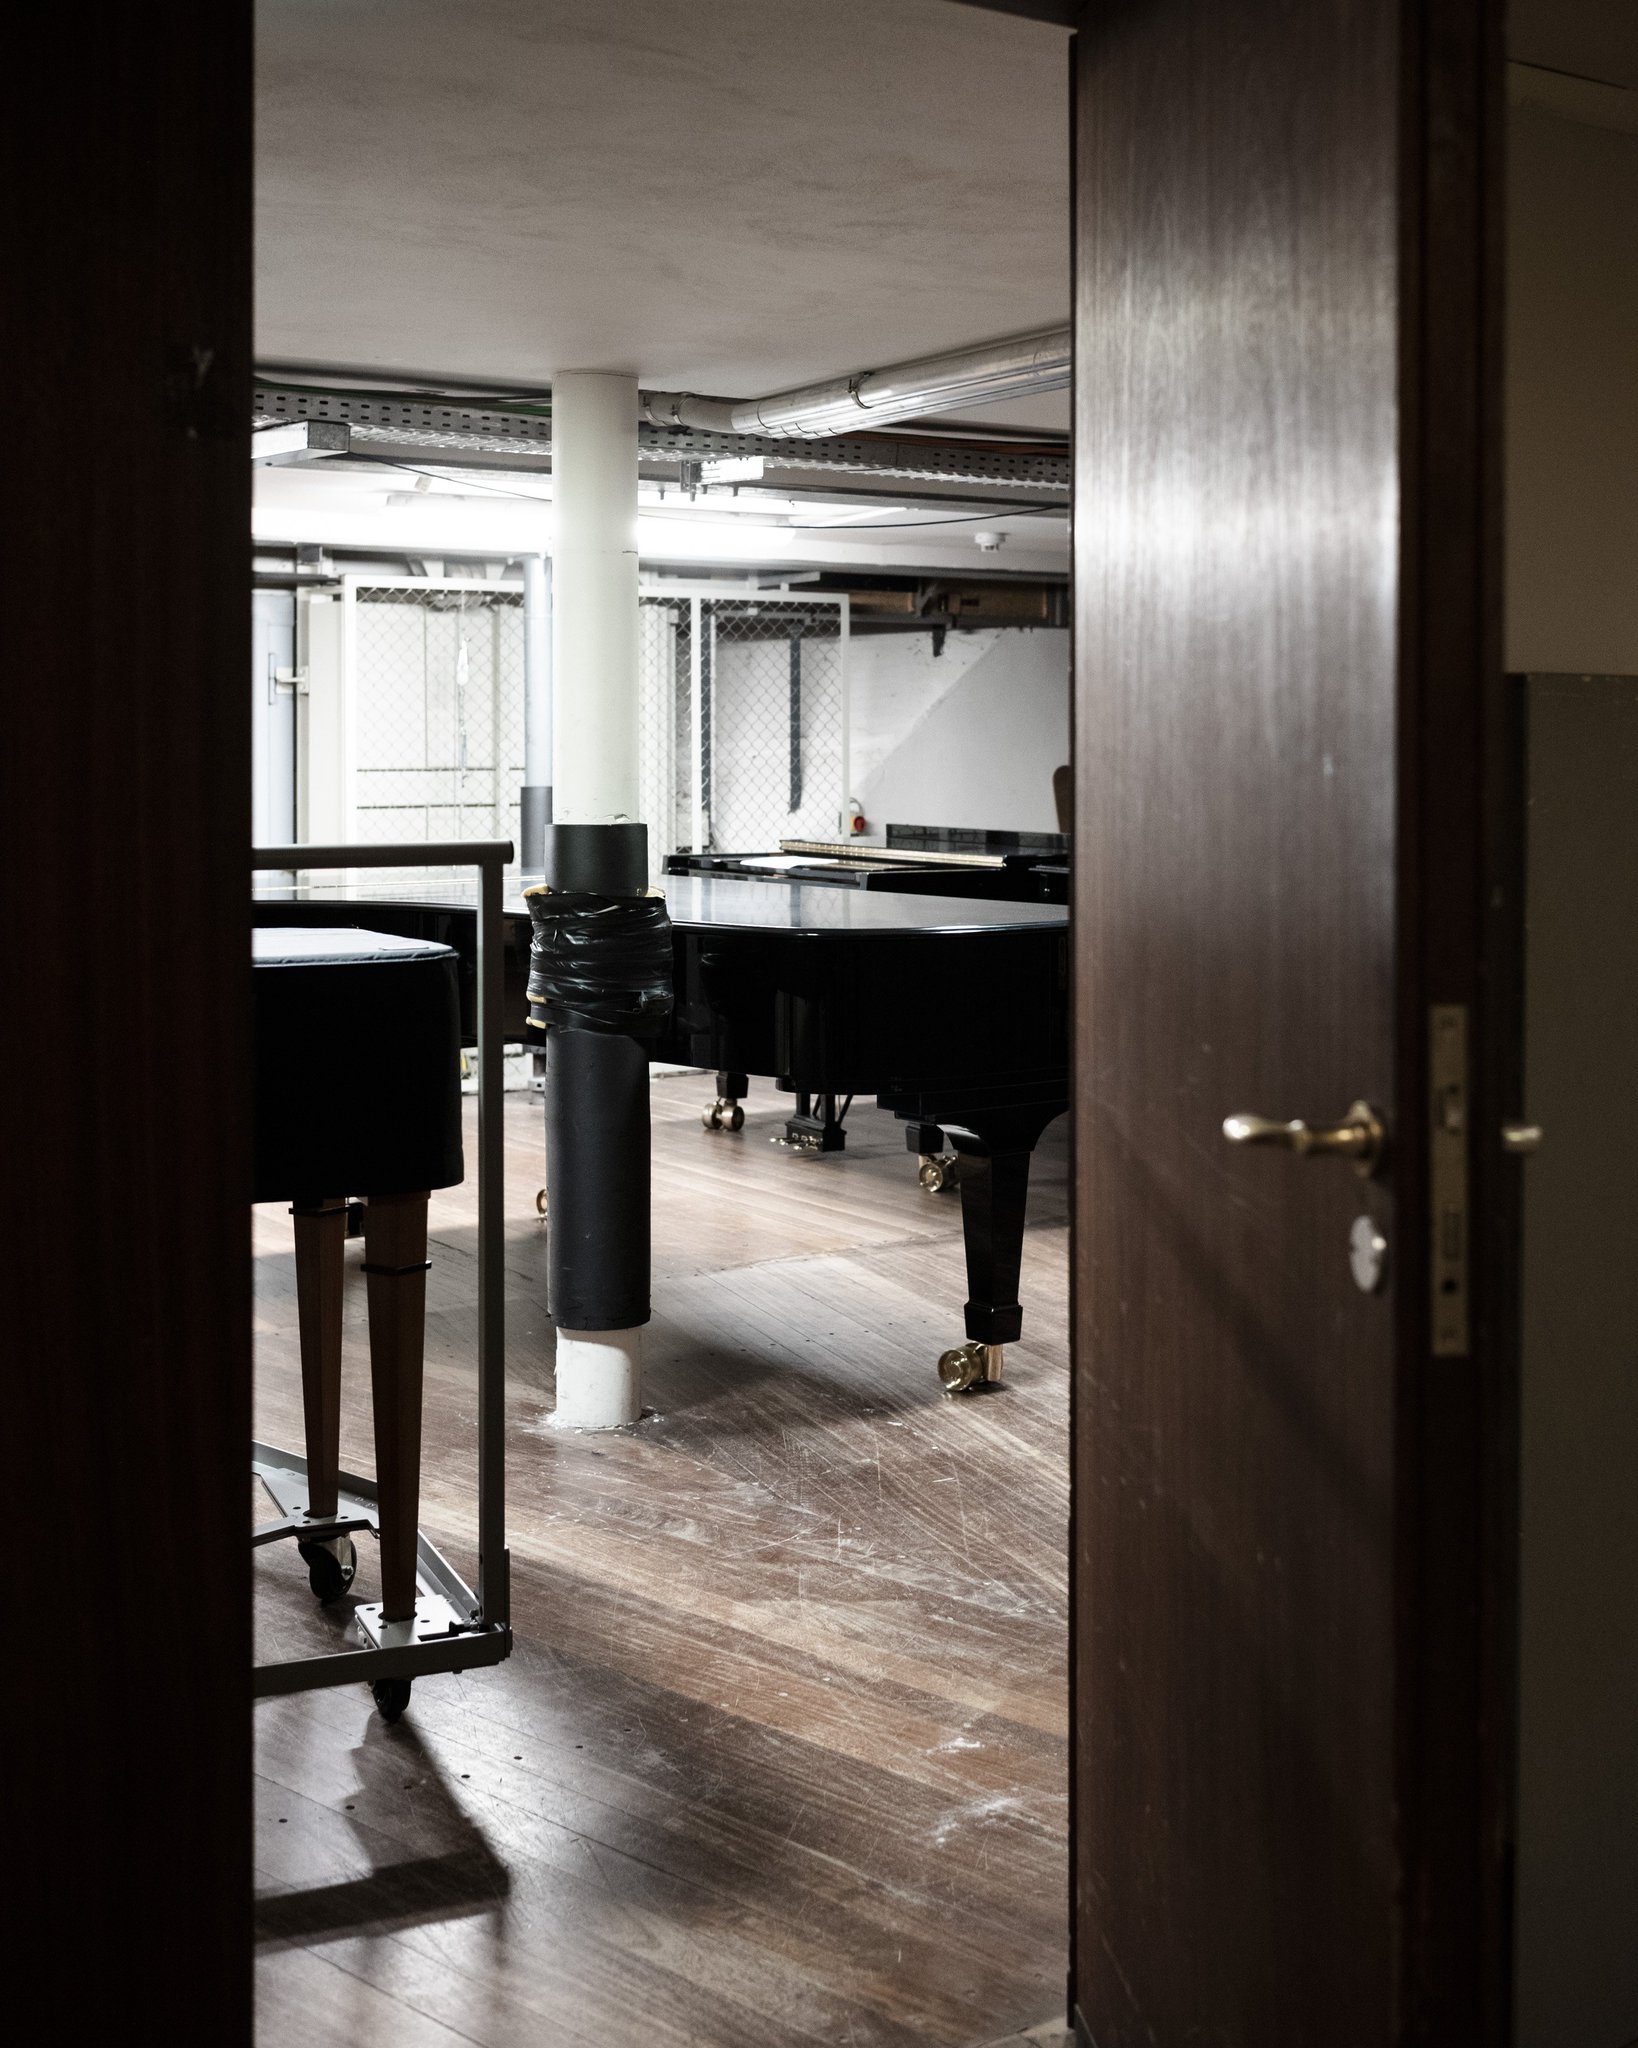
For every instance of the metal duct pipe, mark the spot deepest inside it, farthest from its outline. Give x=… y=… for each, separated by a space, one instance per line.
x=1021 y=367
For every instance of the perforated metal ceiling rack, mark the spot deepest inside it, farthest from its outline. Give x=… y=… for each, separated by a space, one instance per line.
x=388 y=423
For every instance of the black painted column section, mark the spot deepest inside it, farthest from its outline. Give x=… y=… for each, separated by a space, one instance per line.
x=600 y=984
x=597 y=1180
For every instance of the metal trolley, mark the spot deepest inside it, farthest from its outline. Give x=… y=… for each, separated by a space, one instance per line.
x=454 y=1628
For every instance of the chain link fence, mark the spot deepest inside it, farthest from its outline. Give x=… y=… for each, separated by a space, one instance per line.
x=438 y=710
x=742 y=716
x=743 y=723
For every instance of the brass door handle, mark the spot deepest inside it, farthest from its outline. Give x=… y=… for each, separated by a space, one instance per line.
x=1361 y=1136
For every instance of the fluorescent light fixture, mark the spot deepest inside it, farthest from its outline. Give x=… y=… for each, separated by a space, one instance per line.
x=469 y=513
x=299 y=441
x=732 y=469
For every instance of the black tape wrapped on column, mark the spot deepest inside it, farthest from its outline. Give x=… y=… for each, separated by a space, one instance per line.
x=600 y=984
x=598 y=963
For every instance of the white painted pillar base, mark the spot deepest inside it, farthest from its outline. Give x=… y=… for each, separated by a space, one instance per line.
x=599 y=1379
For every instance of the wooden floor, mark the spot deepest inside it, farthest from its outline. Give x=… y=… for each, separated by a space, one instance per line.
x=780 y=1754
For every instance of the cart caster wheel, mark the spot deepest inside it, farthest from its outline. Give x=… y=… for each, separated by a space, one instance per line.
x=392 y=1696
x=329 y=1573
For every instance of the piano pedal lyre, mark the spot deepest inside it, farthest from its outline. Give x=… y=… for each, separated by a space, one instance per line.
x=969 y=1367
x=727 y=1113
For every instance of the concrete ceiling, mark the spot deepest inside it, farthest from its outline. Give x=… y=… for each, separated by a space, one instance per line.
x=727 y=196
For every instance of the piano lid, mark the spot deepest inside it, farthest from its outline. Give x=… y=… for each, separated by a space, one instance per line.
x=730 y=903
x=709 y=902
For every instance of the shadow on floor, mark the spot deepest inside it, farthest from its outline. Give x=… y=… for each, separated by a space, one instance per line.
x=468 y=1877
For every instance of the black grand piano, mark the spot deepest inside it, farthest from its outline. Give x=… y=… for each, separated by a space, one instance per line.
x=952 y=1012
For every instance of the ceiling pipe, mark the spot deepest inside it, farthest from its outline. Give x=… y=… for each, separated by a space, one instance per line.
x=1021 y=367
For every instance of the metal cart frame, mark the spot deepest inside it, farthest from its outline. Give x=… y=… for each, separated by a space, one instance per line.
x=454 y=1627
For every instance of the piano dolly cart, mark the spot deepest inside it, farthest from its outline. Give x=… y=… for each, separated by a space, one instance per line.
x=454 y=1628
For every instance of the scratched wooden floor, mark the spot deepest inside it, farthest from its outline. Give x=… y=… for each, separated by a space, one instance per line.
x=780 y=1754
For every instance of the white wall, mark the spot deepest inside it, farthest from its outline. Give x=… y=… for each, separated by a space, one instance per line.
x=967 y=737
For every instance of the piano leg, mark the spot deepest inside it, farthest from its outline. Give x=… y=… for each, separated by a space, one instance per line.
x=994 y=1186
x=395 y=1265
x=817 y=1124
x=320 y=1231
x=321 y=1228
x=993 y=1150
x=727 y=1113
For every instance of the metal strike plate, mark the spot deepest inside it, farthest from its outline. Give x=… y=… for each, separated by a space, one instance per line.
x=1447 y=1178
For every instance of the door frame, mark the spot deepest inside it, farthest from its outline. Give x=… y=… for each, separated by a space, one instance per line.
x=1460 y=916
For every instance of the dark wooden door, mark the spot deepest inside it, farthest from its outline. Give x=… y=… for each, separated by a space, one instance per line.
x=125 y=314
x=1290 y=1490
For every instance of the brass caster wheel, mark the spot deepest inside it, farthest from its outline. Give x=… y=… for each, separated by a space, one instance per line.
x=733 y=1117
x=711 y=1116
x=970 y=1366
x=936 y=1172
x=725 y=1114
x=540 y=1204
